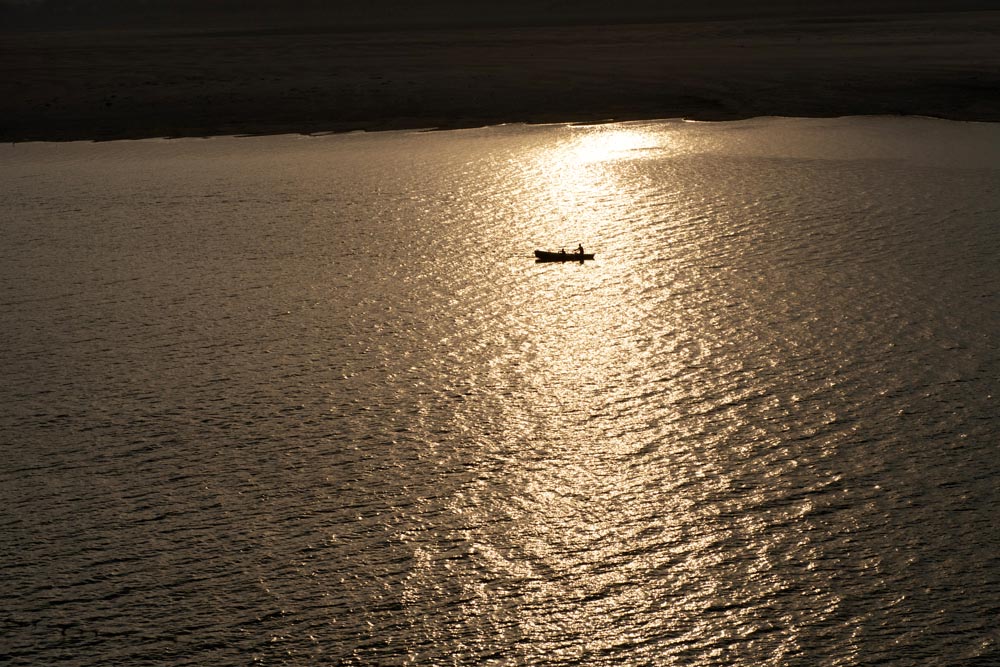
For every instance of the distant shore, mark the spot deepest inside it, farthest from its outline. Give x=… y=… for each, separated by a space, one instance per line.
x=137 y=84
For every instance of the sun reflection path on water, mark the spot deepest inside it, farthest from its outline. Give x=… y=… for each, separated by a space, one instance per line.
x=595 y=488
x=610 y=425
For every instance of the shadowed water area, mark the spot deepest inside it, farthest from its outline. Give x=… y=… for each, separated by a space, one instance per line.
x=309 y=400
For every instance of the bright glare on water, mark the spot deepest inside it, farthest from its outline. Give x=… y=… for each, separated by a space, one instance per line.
x=309 y=400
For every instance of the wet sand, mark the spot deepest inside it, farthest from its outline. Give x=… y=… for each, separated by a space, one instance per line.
x=92 y=85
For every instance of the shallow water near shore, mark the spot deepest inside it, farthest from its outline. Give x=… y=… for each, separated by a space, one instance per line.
x=309 y=400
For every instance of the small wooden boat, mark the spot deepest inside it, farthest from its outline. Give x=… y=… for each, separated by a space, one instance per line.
x=546 y=256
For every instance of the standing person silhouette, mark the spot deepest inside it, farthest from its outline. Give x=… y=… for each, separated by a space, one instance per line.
x=579 y=248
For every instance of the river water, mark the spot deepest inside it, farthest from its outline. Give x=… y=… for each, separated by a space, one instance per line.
x=303 y=400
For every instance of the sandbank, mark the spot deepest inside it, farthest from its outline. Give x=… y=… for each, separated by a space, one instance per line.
x=88 y=85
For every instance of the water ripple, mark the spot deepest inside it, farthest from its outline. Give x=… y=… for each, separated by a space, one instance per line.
x=301 y=400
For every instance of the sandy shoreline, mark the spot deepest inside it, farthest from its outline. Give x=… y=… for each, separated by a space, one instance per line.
x=88 y=85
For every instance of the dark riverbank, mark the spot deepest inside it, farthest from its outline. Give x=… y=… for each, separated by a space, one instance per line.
x=83 y=85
